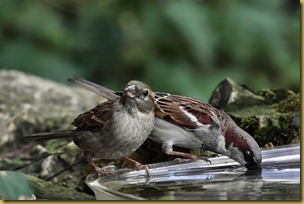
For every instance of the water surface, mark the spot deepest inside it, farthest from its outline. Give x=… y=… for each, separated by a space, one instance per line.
x=224 y=179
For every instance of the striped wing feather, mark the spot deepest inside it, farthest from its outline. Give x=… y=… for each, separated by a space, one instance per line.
x=174 y=109
x=95 y=118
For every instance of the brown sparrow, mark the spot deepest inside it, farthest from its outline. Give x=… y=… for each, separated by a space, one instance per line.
x=113 y=129
x=190 y=123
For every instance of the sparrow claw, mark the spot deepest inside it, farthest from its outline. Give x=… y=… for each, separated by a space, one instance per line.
x=132 y=164
x=189 y=156
x=205 y=159
x=214 y=155
x=101 y=172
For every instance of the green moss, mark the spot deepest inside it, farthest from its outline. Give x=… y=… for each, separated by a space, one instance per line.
x=275 y=96
x=275 y=128
x=290 y=104
x=273 y=122
x=253 y=110
x=49 y=191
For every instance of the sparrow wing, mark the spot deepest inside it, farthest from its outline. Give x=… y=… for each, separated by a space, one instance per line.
x=98 y=89
x=183 y=111
x=96 y=118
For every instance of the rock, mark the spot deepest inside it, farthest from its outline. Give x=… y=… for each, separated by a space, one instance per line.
x=270 y=116
x=18 y=186
x=229 y=96
x=47 y=191
x=30 y=104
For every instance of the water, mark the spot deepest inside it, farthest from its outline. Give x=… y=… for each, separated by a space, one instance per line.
x=224 y=179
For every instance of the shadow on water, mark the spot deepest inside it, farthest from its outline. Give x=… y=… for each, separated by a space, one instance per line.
x=224 y=179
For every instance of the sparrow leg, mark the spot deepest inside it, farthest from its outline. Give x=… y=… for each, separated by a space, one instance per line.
x=135 y=165
x=100 y=172
x=168 y=149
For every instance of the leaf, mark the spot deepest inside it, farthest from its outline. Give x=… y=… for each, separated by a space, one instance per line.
x=14 y=185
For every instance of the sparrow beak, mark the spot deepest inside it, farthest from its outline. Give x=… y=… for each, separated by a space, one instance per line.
x=253 y=169
x=253 y=166
x=130 y=91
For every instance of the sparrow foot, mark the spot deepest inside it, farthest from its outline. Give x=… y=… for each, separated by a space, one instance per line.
x=189 y=156
x=213 y=155
x=100 y=172
x=205 y=159
x=132 y=164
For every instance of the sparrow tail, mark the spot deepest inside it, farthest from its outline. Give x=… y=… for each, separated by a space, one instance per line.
x=51 y=135
x=100 y=90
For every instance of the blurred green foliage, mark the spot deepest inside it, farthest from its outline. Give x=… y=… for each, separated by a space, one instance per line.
x=14 y=186
x=180 y=46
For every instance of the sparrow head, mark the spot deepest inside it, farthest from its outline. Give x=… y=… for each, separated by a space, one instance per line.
x=253 y=159
x=140 y=94
x=243 y=148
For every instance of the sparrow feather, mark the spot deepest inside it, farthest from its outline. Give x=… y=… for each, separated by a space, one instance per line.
x=96 y=118
x=183 y=111
x=100 y=90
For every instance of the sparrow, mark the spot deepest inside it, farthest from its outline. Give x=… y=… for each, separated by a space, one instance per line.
x=191 y=123
x=113 y=129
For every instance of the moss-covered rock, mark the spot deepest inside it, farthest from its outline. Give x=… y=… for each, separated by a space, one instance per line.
x=270 y=116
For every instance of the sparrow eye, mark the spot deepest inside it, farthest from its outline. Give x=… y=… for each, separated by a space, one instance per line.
x=145 y=93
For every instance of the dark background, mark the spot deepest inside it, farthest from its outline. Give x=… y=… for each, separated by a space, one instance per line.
x=179 y=46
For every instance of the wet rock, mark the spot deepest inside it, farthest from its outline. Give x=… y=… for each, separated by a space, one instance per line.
x=270 y=116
